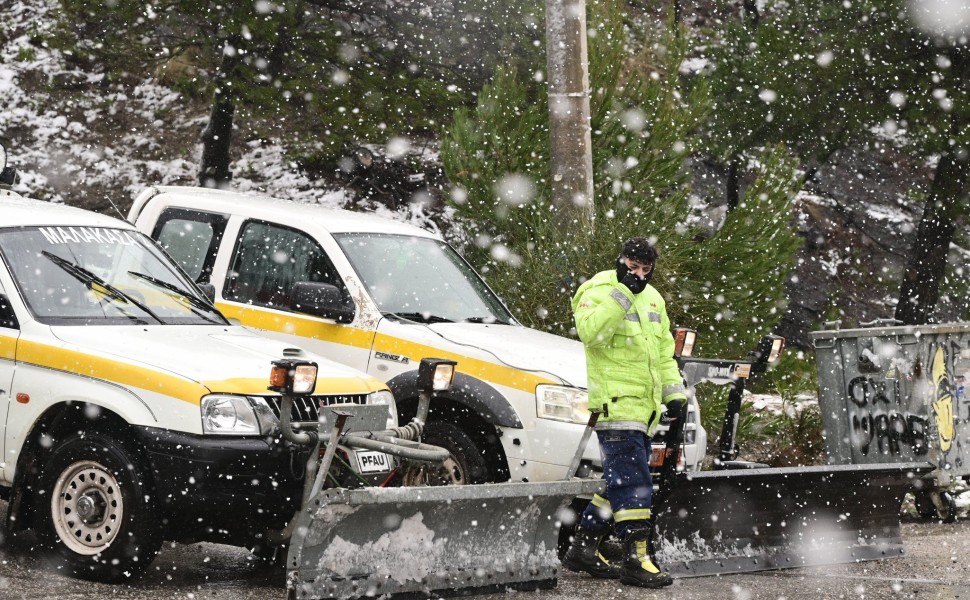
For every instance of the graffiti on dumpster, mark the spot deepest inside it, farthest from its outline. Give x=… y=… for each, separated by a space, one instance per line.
x=876 y=420
x=943 y=400
x=887 y=416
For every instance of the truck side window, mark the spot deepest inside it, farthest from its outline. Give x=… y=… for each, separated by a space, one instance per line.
x=269 y=259
x=192 y=239
x=7 y=318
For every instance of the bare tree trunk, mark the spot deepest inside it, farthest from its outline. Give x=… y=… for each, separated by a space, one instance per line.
x=733 y=185
x=732 y=191
x=920 y=289
x=751 y=12
x=217 y=136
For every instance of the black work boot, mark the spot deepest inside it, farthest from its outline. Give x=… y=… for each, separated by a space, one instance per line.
x=639 y=566
x=584 y=555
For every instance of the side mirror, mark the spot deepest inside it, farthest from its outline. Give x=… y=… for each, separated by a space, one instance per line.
x=208 y=290
x=321 y=300
x=8 y=175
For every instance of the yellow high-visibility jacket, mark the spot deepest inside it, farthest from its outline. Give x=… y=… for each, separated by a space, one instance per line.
x=629 y=352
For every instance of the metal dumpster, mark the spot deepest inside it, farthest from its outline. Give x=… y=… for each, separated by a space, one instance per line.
x=897 y=394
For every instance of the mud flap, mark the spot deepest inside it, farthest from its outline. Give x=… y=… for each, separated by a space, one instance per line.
x=420 y=540
x=762 y=519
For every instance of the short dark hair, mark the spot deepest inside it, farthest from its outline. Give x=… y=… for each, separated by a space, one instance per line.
x=640 y=249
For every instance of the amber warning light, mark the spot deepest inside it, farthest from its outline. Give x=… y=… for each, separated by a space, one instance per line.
x=293 y=377
x=684 y=341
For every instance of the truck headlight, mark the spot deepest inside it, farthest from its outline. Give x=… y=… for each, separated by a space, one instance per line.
x=561 y=403
x=237 y=415
x=386 y=398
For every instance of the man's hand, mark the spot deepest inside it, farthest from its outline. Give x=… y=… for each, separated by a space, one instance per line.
x=674 y=411
x=621 y=268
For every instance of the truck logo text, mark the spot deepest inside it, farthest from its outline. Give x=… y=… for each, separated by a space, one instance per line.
x=392 y=357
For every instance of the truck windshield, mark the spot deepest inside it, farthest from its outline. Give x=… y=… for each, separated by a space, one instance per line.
x=421 y=279
x=100 y=275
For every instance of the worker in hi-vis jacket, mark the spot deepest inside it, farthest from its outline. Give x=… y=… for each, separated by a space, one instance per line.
x=632 y=374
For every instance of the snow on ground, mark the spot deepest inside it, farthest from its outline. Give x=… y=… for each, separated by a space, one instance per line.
x=776 y=405
x=694 y=65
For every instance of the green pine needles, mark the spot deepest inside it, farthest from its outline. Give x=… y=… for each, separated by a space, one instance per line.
x=729 y=286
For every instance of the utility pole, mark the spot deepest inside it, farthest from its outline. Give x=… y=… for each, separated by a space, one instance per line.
x=571 y=152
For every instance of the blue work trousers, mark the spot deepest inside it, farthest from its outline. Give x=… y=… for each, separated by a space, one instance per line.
x=629 y=487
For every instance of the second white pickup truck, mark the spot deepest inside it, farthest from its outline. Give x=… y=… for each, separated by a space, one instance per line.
x=379 y=295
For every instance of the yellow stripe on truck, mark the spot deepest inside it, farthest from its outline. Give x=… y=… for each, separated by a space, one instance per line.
x=499 y=374
x=107 y=369
x=181 y=388
x=308 y=327
x=8 y=347
x=325 y=385
x=292 y=324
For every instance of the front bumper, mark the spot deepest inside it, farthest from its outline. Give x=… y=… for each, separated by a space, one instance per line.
x=544 y=452
x=223 y=489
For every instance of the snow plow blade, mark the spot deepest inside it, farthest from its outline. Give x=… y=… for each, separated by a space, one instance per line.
x=420 y=540
x=744 y=520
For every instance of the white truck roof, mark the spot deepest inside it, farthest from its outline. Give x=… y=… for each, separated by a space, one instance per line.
x=258 y=206
x=18 y=211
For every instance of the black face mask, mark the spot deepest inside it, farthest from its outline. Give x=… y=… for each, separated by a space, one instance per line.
x=634 y=283
x=621 y=268
x=631 y=281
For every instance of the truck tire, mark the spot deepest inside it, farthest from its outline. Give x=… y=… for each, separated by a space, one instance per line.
x=923 y=501
x=465 y=465
x=946 y=508
x=936 y=506
x=96 y=516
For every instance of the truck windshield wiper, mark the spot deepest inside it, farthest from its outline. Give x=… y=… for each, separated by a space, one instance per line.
x=96 y=284
x=486 y=320
x=197 y=303
x=419 y=317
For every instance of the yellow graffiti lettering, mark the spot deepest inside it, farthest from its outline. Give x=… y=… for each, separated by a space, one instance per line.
x=943 y=405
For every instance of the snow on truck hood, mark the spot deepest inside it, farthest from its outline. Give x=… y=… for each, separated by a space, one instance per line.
x=558 y=359
x=222 y=359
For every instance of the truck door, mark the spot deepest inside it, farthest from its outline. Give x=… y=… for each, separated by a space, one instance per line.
x=9 y=332
x=268 y=259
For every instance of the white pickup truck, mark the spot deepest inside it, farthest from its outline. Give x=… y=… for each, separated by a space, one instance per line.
x=131 y=410
x=378 y=294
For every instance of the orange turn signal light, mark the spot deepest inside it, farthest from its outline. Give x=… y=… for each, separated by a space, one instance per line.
x=277 y=376
x=684 y=339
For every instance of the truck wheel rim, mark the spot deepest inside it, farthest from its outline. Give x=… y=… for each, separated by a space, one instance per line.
x=452 y=472
x=87 y=507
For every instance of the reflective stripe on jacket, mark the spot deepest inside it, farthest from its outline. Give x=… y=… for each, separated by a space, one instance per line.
x=629 y=350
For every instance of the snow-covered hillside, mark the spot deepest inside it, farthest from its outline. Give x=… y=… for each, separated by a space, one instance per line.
x=78 y=138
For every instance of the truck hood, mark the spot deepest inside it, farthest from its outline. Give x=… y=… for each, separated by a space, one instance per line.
x=560 y=359
x=223 y=359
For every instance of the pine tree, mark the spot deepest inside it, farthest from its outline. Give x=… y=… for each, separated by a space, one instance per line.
x=819 y=76
x=642 y=123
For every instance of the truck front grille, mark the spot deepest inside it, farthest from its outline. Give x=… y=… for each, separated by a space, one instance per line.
x=305 y=409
